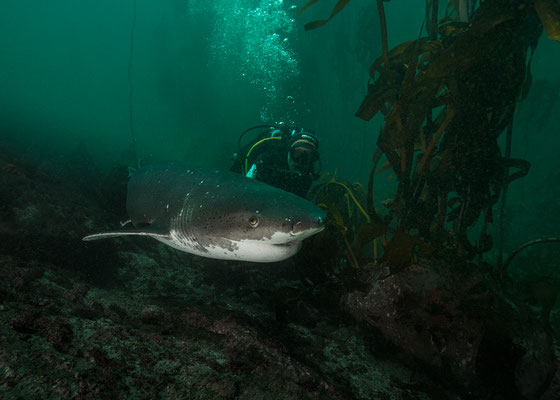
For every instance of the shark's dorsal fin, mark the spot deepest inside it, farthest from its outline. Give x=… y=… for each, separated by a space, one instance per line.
x=130 y=232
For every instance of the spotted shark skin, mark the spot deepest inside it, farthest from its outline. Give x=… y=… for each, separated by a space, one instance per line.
x=217 y=214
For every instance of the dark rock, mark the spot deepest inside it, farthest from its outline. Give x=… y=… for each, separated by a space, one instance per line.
x=292 y=305
x=536 y=368
x=77 y=293
x=195 y=318
x=26 y=322
x=83 y=311
x=114 y=310
x=553 y=391
x=418 y=310
x=151 y=314
x=59 y=333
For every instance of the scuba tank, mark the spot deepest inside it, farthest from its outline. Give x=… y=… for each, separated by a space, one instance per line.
x=268 y=138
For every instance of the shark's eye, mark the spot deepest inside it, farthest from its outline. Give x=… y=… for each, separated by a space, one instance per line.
x=253 y=221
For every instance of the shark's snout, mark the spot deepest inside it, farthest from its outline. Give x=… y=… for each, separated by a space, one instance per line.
x=312 y=224
x=321 y=217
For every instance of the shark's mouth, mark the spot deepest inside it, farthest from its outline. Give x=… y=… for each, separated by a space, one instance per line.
x=288 y=244
x=261 y=251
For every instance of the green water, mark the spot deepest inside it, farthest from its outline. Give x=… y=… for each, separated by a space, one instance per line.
x=201 y=72
x=82 y=82
x=186 y=77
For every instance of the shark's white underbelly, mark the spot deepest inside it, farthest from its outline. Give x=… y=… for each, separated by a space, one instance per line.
x=244 y=250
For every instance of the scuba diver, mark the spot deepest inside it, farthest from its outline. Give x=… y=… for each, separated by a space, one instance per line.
x=281 y=156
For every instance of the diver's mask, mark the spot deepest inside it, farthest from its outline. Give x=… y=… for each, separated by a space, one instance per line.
x=303 y=151
x=301 y=159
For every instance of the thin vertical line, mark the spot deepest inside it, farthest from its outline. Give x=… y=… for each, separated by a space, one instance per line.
x=501 y=237
x=131 y=86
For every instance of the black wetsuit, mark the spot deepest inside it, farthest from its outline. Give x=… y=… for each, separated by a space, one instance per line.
x=273 y=169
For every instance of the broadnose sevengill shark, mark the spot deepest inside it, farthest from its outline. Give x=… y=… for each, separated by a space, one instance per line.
x=217 y=214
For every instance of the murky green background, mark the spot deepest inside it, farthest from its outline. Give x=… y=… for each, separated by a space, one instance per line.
x=203 y=71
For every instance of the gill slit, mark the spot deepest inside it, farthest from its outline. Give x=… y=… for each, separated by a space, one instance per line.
x=185 y=230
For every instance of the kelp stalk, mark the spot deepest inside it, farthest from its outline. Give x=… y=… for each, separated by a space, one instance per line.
x=433 y=21
x=369 y=198
x=524 y=246
x=504 y=195
x=435 y=139
x=383 y=23
x=364 y=213
x=549 y=14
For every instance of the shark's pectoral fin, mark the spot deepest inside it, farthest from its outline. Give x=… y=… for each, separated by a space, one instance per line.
x=130 y=232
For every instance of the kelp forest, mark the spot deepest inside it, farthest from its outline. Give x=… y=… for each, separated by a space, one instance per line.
x=435 y=251
x=447 y=98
